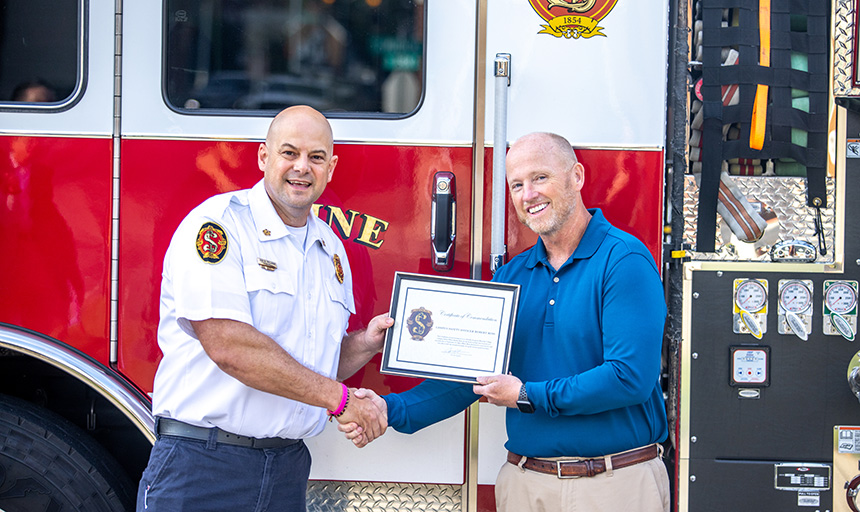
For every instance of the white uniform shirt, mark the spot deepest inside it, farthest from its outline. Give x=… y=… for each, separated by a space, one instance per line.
x=300 y=303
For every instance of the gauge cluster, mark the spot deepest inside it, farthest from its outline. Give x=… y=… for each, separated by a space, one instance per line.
x=796 y=309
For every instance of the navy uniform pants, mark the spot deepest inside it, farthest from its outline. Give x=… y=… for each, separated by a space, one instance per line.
x=185 y=475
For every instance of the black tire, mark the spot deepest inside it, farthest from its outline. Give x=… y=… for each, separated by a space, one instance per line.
x=47 y=464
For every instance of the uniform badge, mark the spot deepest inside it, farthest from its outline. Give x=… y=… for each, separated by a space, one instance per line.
x=419 y=323
x=211 y=243
x=338 y=269
x=267 y=232
x=271 y=266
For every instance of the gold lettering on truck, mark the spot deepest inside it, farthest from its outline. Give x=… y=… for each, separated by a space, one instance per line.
x=369 y=232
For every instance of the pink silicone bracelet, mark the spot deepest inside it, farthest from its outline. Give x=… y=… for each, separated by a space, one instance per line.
x=344 y=399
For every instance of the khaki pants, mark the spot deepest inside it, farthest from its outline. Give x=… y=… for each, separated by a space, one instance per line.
x=643 y=487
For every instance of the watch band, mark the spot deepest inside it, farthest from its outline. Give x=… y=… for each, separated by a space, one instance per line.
x=523 y=403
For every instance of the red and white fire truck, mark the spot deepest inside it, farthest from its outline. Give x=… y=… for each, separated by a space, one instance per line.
x=117 y=117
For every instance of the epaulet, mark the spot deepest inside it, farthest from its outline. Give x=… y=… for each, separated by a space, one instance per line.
x=216 y=206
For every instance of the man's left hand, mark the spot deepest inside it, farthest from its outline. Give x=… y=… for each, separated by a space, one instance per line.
x=374 y=336
x=358 y=347
x=501 y=390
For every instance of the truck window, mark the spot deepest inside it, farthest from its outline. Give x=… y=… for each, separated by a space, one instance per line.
x=351 y=57
x=40 y=51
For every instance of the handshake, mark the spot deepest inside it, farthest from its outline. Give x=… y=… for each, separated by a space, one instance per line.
x=367 y=419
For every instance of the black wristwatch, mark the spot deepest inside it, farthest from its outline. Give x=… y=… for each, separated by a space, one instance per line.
x=523 y=403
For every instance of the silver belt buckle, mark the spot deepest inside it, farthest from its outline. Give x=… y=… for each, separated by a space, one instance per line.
x=558 y=468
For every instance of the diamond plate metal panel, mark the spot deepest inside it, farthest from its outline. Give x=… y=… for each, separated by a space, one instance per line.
x=382 y=497
x=843 y=49
x=790 y=218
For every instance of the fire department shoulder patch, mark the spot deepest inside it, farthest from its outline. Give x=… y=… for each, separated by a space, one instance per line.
x=338 y=269
x=211 y=243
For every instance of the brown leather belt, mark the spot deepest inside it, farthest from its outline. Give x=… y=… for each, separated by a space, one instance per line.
x=585 y=467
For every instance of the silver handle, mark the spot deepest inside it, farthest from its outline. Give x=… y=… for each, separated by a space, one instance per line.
x=500 y=146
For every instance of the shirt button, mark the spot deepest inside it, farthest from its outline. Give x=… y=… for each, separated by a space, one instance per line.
x=554 y=279
x=552 y=302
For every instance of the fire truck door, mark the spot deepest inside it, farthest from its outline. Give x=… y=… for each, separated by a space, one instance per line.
x=594 y=73
x=183 y=142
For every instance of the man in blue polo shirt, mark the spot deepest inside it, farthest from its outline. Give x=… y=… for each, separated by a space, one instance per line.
x=585 y=360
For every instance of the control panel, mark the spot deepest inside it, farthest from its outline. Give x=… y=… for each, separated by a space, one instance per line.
x=768 y=401
x=766 y=393
x=749 y=366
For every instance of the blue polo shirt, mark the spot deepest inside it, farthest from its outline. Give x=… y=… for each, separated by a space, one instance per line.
x=587 y=343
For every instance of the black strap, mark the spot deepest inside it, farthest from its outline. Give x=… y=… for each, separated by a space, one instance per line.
x=798 y=28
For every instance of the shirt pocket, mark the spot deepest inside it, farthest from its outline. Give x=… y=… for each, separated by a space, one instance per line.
x=270 y=295
x=338 y=294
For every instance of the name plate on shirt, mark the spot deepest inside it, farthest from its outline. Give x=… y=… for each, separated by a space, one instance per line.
x=449 y=329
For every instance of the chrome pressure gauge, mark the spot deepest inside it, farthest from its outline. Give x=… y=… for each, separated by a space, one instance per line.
x=795 y=307
x=751 y=296
x=840 y=308
x=795 y=297
x=750 y=307
x=840 y=298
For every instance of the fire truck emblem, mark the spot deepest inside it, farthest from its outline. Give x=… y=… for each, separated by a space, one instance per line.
x=211 y=243
x=572 y=19
x=419 y=323
x=338 y=269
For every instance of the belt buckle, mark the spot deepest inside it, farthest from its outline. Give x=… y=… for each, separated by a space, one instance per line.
x=558 y=465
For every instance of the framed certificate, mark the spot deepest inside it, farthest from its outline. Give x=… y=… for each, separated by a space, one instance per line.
x=450 y=329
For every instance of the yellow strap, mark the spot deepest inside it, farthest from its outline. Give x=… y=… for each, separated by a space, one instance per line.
x=764 y=32
x=759 y=117
x=759 y=113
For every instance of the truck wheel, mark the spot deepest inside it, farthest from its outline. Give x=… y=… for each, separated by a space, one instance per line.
x=47 y=464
